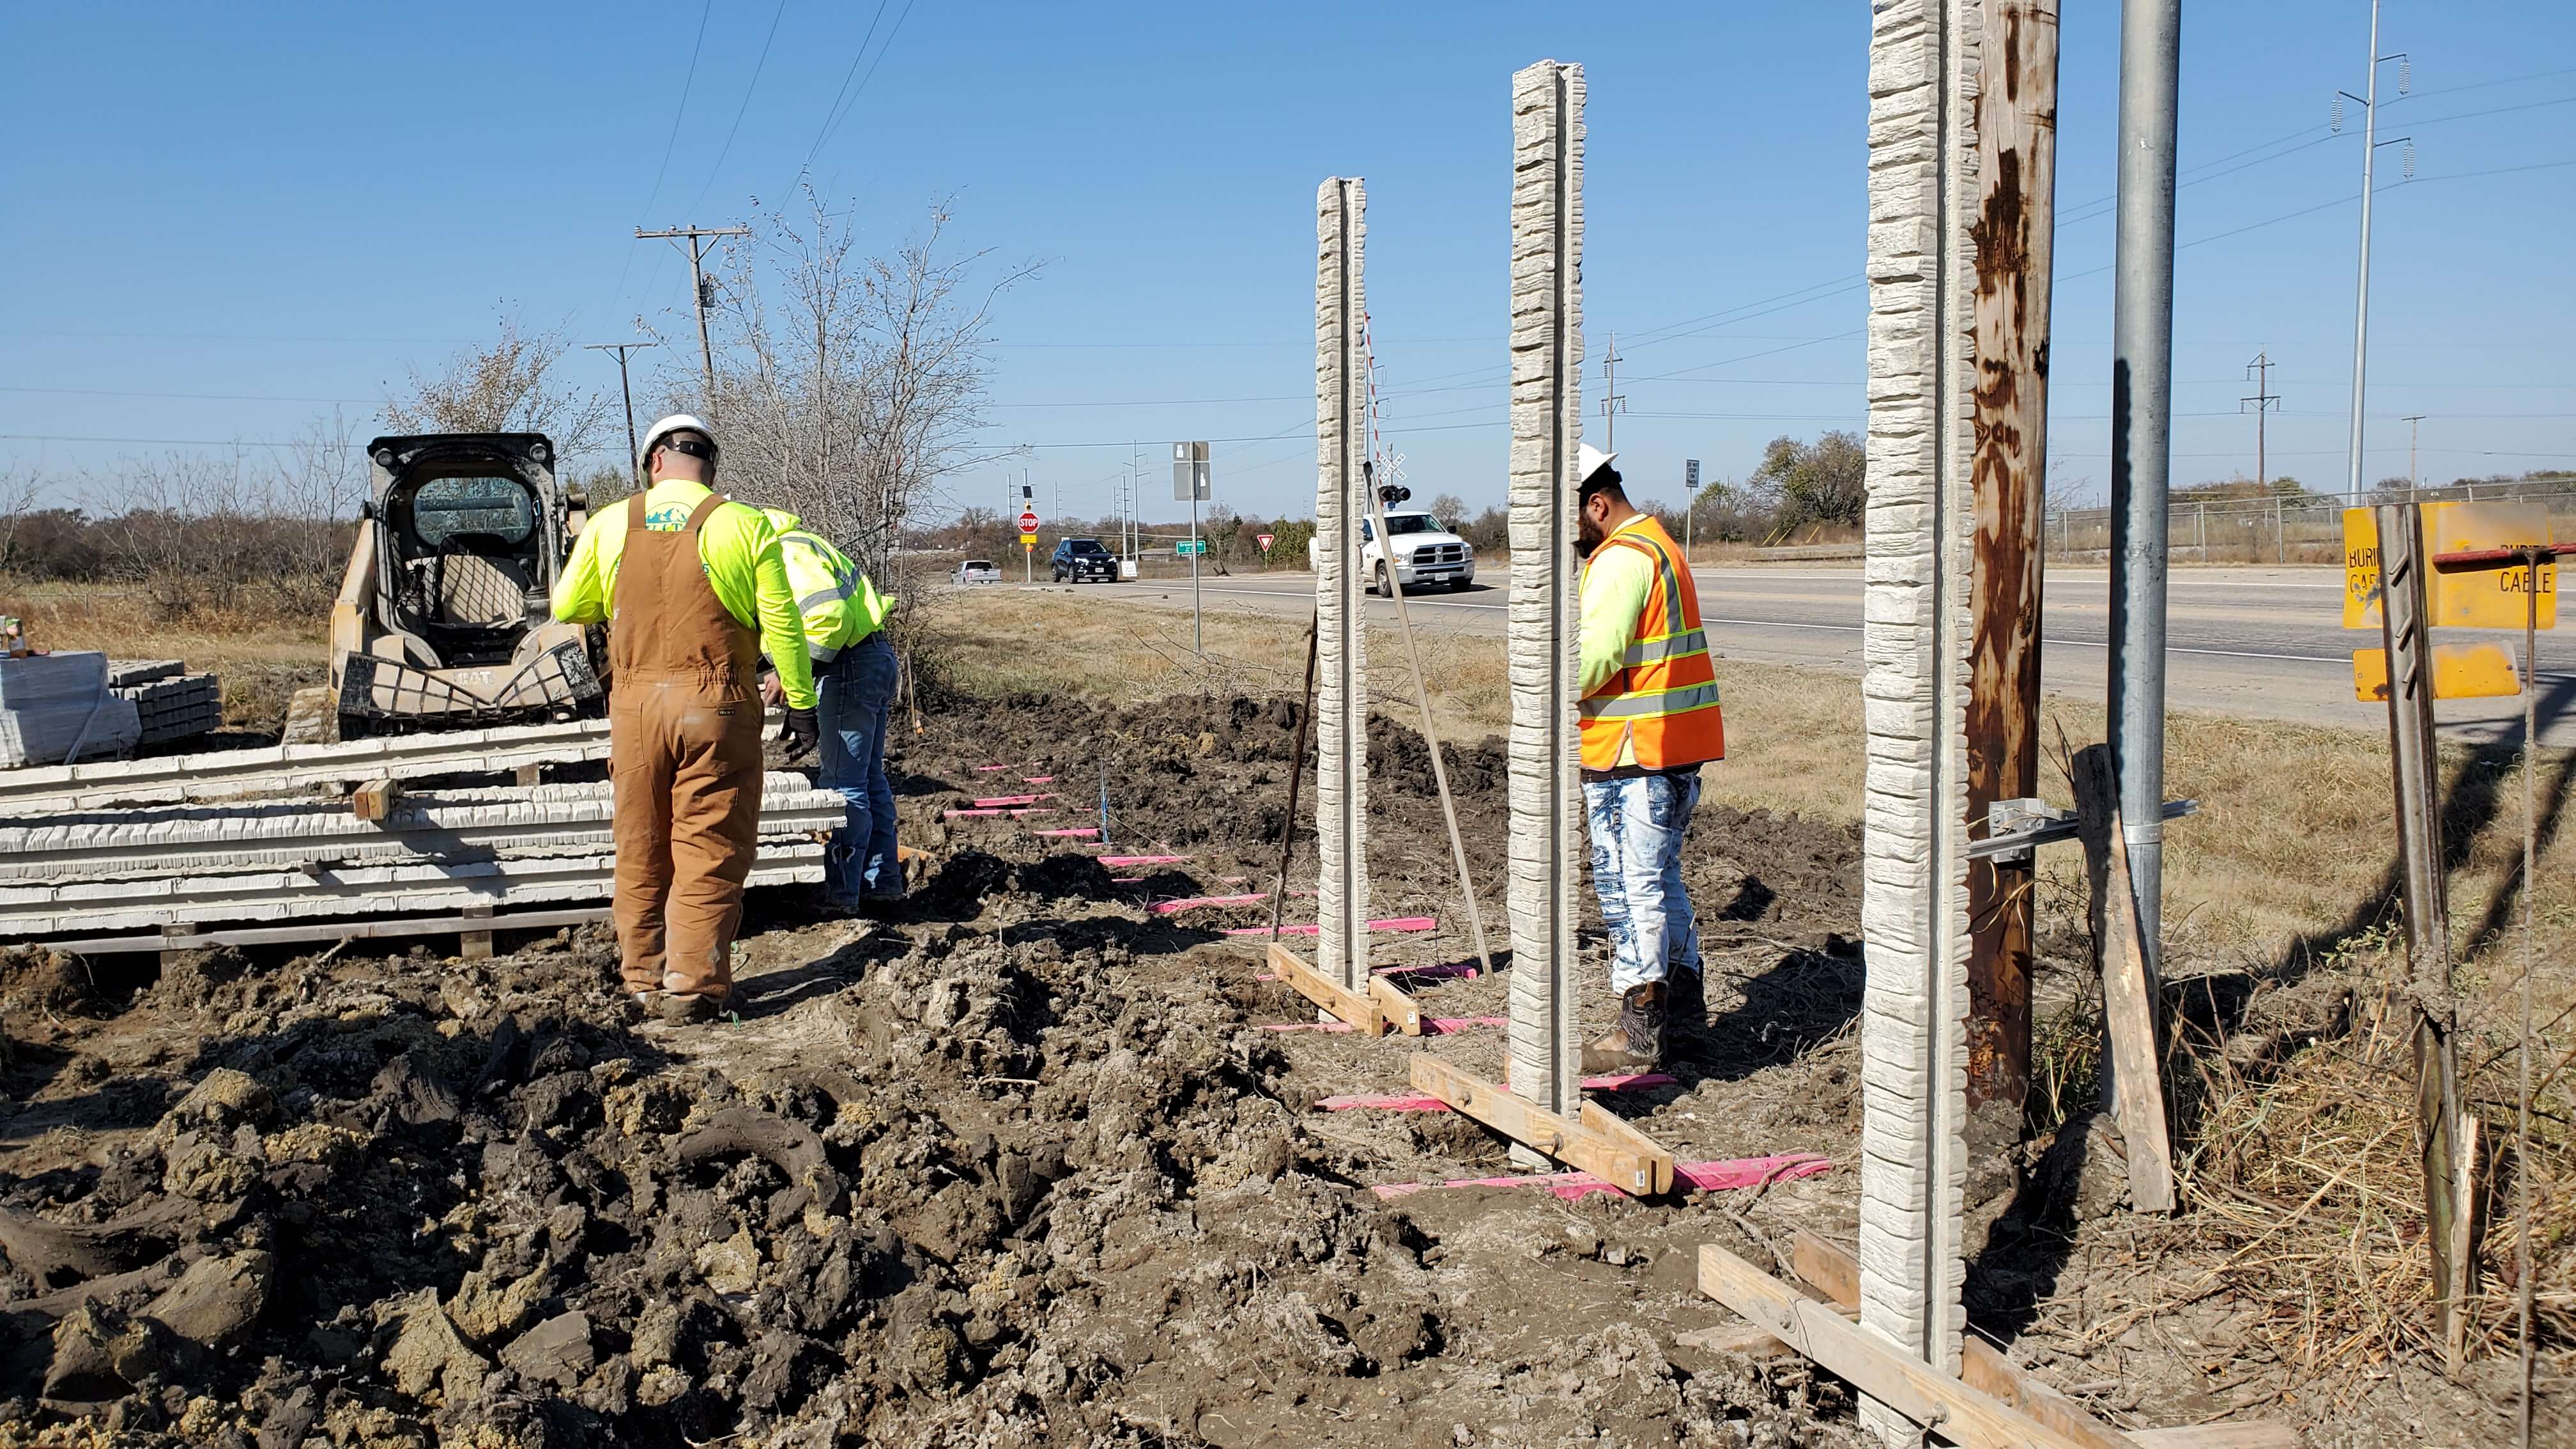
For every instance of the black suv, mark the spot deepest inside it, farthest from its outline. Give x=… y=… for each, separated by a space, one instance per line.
x=1077 y=559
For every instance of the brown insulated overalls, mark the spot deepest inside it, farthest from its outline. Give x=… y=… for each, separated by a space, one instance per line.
x=684 y=756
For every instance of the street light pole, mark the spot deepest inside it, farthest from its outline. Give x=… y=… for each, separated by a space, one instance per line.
x=2370 y=144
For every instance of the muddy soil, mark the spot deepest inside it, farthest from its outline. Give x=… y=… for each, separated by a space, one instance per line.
x=1021 y=1163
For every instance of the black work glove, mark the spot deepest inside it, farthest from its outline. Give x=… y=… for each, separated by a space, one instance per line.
x=803 y=731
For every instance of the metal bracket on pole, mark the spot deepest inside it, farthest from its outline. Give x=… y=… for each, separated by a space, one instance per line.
x=2015 y=827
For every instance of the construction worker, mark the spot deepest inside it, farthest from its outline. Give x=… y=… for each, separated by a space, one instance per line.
x=1650 y=719
x=854 y=681
x=691 y=585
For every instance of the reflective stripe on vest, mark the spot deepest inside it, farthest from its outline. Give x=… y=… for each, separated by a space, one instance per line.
x=1663 y=701
x=1646 y=651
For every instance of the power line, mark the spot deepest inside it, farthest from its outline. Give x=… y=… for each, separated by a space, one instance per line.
x=739 y=111
x=687 y=84
x=846 y=111
x=832 y=111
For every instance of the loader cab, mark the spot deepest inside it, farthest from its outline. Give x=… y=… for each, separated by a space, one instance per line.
x=444 y=614
x=469 y=539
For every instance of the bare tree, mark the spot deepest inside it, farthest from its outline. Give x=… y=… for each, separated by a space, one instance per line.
x=505 y=386
x=850 y=387
x=19 y=491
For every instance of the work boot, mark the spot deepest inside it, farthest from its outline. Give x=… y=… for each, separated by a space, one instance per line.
x=638 y=1007
x=1636 y=1044
x=1686 y=997
x=683 y=1010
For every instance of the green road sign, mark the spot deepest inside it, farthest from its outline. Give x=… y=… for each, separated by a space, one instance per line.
x=1190 y=546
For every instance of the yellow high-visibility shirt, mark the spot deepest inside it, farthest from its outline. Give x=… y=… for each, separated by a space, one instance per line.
x=736 y=546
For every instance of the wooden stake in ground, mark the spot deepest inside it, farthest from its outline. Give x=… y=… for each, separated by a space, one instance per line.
x=1296 y=777
x=1923 y=68
x=2403 y=622
x=1341 y=725
x=2014 y=232
x=2129 y=1010
x=1543 y=626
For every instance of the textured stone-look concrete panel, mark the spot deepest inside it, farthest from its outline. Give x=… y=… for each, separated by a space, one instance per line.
x=1915 y=681
x=1341 y=655
x=1547 y=423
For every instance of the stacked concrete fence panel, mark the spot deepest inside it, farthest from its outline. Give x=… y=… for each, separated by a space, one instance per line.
x=1921 y=282
x=1543 y=628
x=1341 y=655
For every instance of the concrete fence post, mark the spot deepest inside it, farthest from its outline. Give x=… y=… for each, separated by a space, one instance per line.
x=1543 y=624
x=1915 y=681
x=1341 y=653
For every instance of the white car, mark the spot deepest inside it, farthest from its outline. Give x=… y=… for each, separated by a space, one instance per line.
x=1427 y=554
x=976 y=571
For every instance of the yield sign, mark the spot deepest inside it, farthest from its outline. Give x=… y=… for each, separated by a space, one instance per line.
x=1264 y=540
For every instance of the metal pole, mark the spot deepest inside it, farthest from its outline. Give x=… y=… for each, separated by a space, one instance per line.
x=2361 y=296
x=2416 y=766
x=1198 y=639
x=2200 y=521
x=2141 y=440
x=2280 y=540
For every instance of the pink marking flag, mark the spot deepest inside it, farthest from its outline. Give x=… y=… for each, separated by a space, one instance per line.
x=1392 y=923
x=1078 y=832
x=1726 y=1176
x=1142 y=859
x=1431 y=1025
x=1012 y=800
x=1407 y=1102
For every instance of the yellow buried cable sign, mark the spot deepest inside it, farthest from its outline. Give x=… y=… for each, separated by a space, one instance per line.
x=2460 y=671
x=2361 y=569
x=2485 y=596
x=2482 y=596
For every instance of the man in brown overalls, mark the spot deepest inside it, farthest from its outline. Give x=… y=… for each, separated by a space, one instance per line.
x=693 y=588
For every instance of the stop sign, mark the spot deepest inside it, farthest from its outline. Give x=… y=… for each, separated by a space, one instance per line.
x=1028 y=520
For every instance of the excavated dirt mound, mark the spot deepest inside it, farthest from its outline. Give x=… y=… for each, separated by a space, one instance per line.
x=1023 y=1163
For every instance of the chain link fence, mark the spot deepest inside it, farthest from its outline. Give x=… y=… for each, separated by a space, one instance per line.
x=2307 y=529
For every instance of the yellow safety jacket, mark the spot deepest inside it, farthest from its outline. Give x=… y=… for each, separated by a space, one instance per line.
x=1659 y=709
x=841 y=605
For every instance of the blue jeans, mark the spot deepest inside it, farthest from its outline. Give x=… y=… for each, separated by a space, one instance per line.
x=1637 y=824
x=853 y=695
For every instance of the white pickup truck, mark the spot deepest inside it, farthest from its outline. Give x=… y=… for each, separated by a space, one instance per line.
x=1426 y=554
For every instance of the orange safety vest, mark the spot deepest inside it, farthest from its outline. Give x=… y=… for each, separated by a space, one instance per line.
x=1663 y=700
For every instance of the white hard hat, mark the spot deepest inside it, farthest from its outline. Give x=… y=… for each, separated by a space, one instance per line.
x=1589 y=460
x=675 y=423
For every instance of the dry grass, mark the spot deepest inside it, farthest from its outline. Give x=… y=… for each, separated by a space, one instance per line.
x=262 y=647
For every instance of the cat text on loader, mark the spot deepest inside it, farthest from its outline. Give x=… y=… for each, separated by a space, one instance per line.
x=442 y=619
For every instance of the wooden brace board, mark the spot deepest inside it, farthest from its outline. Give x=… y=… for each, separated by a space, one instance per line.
x=1358 y=1009
x=1598 y=1143
x=1834 y=1277
x=1886 y=1374
x=2128 y=1011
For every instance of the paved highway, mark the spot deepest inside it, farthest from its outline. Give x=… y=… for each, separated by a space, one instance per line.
x=2265 y=643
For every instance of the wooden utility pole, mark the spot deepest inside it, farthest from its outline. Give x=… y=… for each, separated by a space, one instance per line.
x=635 y=465
x=2014 y=232
x=697 y=237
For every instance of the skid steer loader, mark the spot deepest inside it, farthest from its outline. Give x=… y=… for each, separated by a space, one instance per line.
x=442 y=619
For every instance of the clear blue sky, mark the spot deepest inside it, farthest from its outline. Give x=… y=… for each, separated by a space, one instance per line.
x=287 y=204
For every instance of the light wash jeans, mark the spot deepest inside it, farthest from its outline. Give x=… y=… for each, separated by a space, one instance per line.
x=1637 y=824
x=853 y=696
